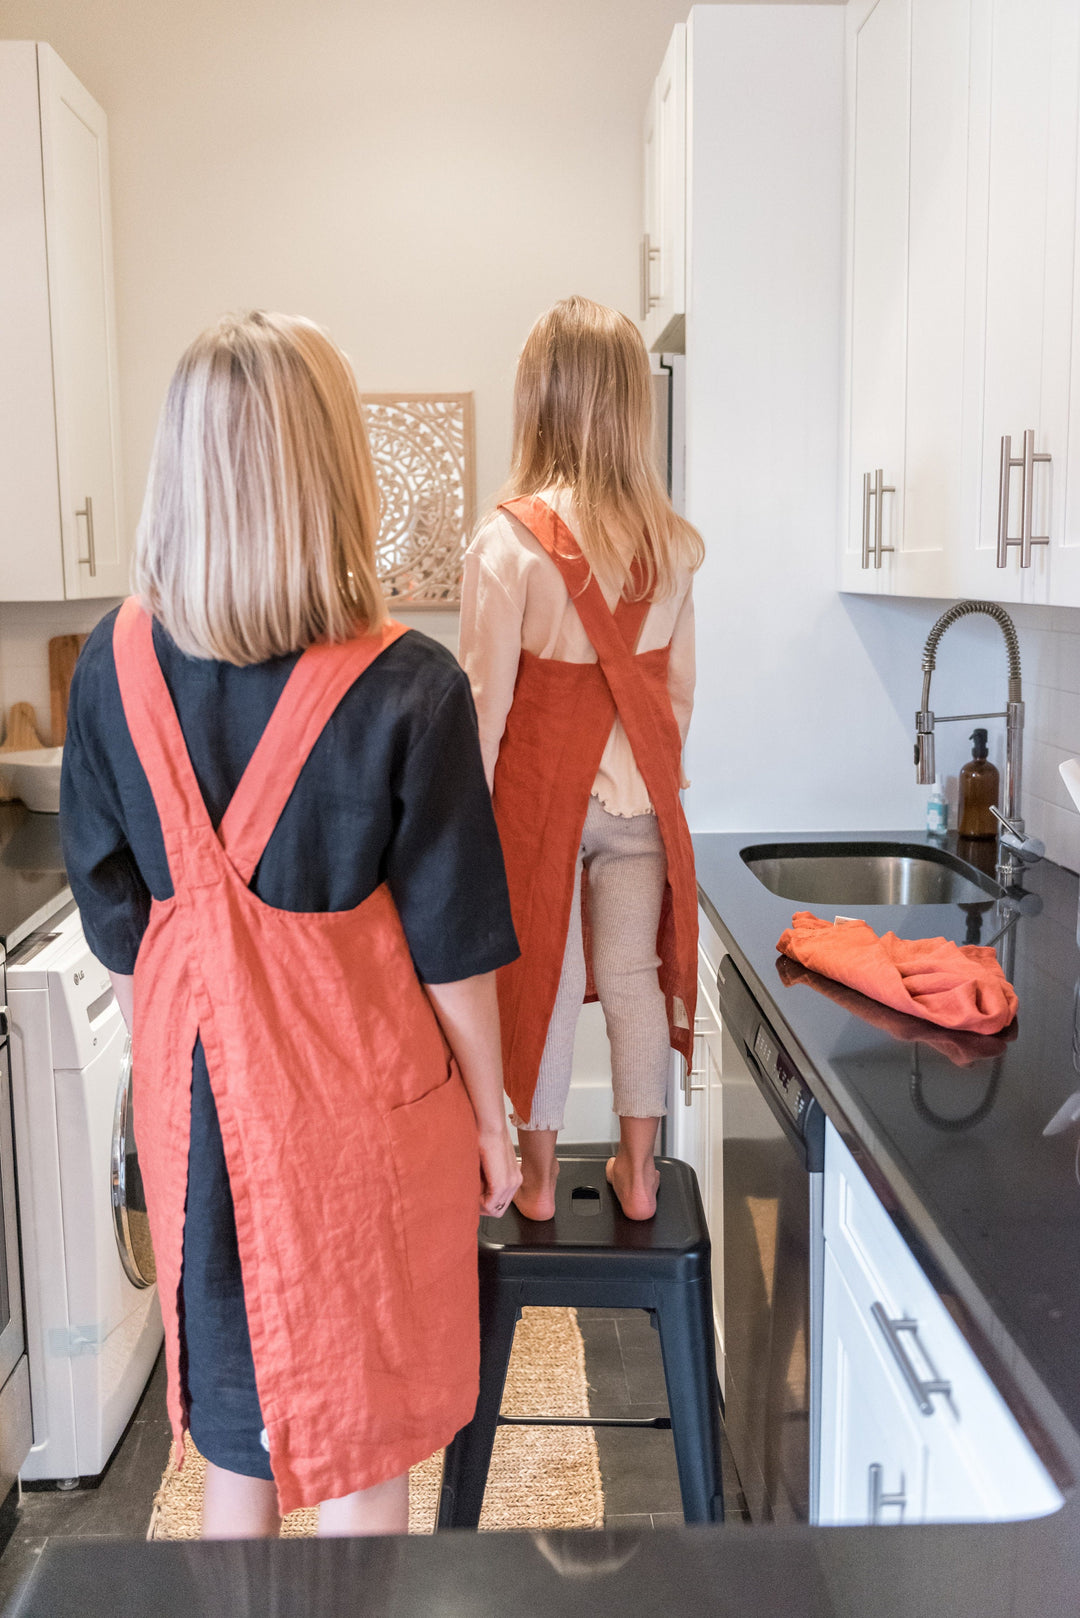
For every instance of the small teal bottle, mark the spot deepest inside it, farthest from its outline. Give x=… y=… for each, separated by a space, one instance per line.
x=937 y=812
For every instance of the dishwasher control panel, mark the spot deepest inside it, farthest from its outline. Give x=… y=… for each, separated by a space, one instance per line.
x=778 y=1066
x=777 y=1071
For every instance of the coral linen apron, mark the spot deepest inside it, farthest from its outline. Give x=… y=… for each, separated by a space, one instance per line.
x=556 y=732
x=349 y=1138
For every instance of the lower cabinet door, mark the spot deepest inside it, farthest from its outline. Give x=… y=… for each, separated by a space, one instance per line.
x=873 y=1460
x=688 y=1119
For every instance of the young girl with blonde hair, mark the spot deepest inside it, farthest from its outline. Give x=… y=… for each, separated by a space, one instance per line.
x=577 y=636
x=278 y=831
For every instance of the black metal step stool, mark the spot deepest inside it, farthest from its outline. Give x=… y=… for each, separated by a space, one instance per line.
x=591 y=1256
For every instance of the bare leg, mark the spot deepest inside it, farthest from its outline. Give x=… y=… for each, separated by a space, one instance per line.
x=632 y=1173
x=382 y=1509
x=539 y=1171
x=236 y=1507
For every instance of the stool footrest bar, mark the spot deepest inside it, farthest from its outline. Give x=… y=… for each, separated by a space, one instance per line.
x=663 y=1422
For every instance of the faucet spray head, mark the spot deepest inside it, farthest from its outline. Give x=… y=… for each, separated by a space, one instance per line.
x=925 y=765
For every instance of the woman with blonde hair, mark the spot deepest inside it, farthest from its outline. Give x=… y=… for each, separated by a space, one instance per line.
x=278 y=832
x=577 y=635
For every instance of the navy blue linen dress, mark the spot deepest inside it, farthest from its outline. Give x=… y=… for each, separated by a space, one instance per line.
x=393 y=791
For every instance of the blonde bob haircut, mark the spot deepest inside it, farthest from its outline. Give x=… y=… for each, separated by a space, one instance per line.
x=583 y=422
x=258 y=530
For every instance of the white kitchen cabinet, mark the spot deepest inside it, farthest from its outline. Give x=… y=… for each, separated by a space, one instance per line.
x=878 y=180
x=62 y=532
x=691 y=1094
x=962 y=183
x=1028 y=53
x=872 y=1458
x=938 y=201
x=695 y=1115
x=663 y=245
x=1065 y=560
x=901 y=1389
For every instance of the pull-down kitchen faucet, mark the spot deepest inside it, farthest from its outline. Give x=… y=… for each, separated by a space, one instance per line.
x=1013 y=849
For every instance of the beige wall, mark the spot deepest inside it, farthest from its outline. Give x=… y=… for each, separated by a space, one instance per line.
x=423 y=176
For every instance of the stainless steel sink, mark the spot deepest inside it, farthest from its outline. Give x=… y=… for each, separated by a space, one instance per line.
x=867 y=874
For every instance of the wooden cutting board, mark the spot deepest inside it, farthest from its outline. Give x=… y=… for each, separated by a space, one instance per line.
x=63 y=655
x=20 y=737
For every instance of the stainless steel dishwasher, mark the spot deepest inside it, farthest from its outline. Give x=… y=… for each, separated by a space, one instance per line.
x=773 y=1153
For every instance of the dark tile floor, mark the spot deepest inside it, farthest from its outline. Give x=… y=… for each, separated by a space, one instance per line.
x=637 y=1464
x=626 y=1378
x=119 y=1507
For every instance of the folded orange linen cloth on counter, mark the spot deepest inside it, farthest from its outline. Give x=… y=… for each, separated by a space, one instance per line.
x=956 y=1045
x=952 y=985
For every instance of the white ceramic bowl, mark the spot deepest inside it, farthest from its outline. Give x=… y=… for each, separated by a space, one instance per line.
x=35 y=776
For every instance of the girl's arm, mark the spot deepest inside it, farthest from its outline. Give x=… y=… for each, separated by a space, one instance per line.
x=469 y=1014
x=489 y=649
x=682 y=671
x=124 y=989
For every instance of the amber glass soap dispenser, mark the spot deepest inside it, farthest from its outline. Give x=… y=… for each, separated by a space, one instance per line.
x=978 y=792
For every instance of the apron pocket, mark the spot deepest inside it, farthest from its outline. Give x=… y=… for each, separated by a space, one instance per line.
x=437 y=1164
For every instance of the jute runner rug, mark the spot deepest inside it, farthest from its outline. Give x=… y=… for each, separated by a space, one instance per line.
x=540 y=1477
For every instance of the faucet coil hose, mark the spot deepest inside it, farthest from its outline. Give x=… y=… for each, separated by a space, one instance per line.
x=963 y=609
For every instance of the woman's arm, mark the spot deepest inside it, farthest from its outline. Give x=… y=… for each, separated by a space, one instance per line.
x=469 y=1014
x=124 y=989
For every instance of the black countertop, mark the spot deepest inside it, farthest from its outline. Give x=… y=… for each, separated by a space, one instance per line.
x=958 y=1154
x=33 y=882
x=991 y=1207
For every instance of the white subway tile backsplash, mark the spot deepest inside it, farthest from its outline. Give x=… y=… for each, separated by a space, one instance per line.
x=26 y=628
x=1050 y=659
x=1068 y=663
x=1042 y=776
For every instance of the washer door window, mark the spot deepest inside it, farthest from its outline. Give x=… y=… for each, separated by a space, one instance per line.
x=128 y=1198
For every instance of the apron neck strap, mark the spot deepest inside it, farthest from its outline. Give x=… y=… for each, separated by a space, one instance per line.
x=312 y=692
x=152 y=722
x=612 y=633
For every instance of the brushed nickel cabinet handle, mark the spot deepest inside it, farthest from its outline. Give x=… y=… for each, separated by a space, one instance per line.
x=90 y=559
x=881 y=488
x=689 y=1089
x=649 y=298
x=1009 y=463
x=1027 y=538
x=919 y=1387
x=866 y=519
x=878 y=1499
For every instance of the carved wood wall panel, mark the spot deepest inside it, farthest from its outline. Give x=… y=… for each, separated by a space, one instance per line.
x=422 y=444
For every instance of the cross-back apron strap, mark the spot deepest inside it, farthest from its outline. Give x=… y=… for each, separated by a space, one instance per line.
x=152 y=722
x=312 y=692
x=612 y=634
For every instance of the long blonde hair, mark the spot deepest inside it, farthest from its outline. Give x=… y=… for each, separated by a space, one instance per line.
x=258 y=530
x=583 y=422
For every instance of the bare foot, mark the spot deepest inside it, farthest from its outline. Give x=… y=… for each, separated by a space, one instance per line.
x=535 y=1197
x=637 y=1197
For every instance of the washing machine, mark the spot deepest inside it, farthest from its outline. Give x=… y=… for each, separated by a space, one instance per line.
x=93 y=1324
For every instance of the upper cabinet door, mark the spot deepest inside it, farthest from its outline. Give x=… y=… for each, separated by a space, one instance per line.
x=1025 y=73
x=939 y=192
x=1065 y=562
x=663 y=262
x=878 y=44
x=31 y=561
x=79 y=238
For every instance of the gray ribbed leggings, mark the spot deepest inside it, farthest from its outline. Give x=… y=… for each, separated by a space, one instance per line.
x=627 y=872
